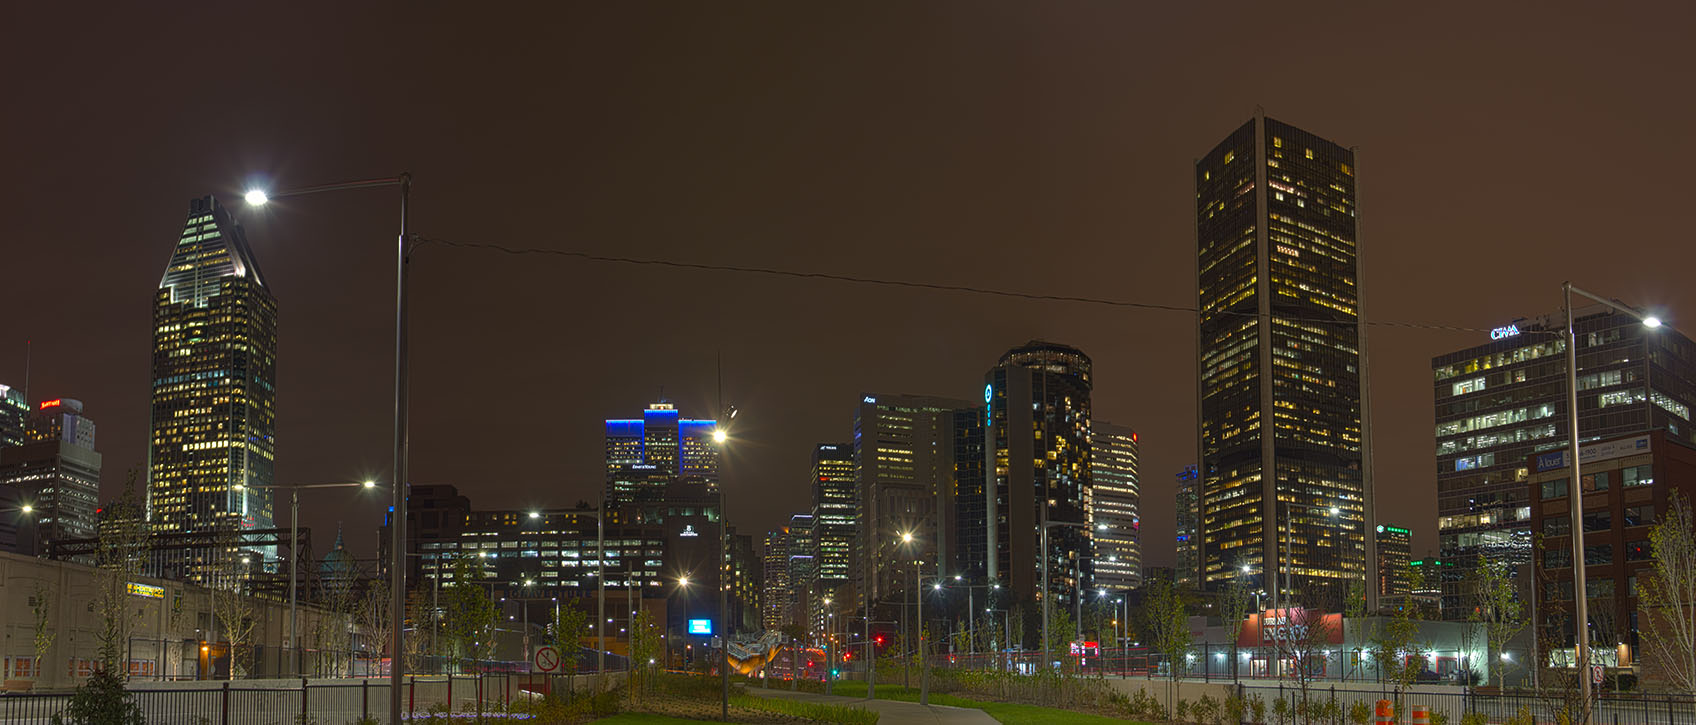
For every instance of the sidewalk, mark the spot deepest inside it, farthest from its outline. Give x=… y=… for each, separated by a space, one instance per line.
x=891 y=712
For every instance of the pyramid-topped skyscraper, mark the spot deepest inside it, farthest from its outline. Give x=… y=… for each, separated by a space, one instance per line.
x=214 y=382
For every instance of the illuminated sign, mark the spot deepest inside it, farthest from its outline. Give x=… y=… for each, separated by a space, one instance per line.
x=988 y=393
x=1503 y=333
x=146 y=590
x=700 y=626
x=689 y=531
x=869 y=399
x=54 y=403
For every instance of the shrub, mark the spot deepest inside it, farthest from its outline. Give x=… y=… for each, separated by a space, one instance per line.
x=1438 y=717
x=1281 y=710
x=1234 y=709
x=1360 y=713
x=1181 y=711
x=1257 y=707
x=1205 y=710
x=1474 y=718
x=101 y=701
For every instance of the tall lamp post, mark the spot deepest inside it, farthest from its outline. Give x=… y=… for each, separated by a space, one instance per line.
x=397 y=529
x=1575 y=490
x=294 y=549
x=1047 y=597
x=721 y=437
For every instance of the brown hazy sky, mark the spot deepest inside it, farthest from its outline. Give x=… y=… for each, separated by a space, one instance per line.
x=1042 y=147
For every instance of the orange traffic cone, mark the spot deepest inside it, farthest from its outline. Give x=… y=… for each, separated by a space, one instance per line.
x=1386 y=714
x=1421 y=715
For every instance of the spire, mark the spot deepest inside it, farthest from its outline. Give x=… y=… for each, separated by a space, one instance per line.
x=212 y=246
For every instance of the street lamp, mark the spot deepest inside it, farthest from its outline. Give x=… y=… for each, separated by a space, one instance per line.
x=397 y=529
x=1575 y=504
x=1046 y=594
x=294 y=542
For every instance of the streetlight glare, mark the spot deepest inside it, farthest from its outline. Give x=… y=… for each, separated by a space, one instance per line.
x=256 y=197
x=535 y=515
x=1651 y=321
x=907 y=537
x=369 y=484
x=1335 y=511
x=719 y=435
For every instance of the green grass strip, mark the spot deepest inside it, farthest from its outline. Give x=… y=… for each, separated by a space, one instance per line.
x=839 y=714
x=1003 y=712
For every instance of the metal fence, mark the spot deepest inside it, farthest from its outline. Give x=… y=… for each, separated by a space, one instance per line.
x=324 y=702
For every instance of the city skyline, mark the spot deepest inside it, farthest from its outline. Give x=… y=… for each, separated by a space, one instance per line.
x=1057 y=171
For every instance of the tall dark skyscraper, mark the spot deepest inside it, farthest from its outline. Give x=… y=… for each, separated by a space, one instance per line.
x=903 y=457
x=1279 y=331
x=1038 y=439
x=1502 y=401
x=1114 y=501
x=214 y=381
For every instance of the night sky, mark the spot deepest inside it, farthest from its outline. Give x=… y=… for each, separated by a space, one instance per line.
x=1036 y=147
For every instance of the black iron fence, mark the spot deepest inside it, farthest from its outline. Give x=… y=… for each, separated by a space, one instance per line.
x=289 y=702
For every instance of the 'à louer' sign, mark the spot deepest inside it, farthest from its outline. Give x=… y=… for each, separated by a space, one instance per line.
x=1503 y=333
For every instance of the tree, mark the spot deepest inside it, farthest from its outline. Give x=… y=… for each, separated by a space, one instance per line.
x=1234 y=602
x=469 y=614
x=1016 y=622
x=1060 y=631
x=1666 y=600
x=375 y=616
x=1306 y=634
x=1356 y=628
x=565 y=633
x=1397 y=650
x=644 y=649
x=1166 y=621
x=1499 y=610
x=101 y=701
x=122 y=545
x=42 y=605
x=231 y=605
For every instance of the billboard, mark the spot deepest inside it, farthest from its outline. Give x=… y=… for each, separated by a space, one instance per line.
x=1290 y=625
x=700 y=626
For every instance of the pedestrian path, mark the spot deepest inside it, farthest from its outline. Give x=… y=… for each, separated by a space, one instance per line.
x=890 y=712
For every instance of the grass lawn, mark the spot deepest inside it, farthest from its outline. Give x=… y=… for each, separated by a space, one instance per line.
x=636 y=718
x=1004 y=712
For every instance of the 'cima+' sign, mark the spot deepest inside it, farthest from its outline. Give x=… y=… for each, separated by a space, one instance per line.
x=1503 y=333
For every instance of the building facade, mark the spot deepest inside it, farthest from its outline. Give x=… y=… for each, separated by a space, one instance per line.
x=1114 y=501
x=1279 y=331
x=1038 y=440
x=1626 y=484
x=213 y=441
x=57 y=471
x=835 y=514
x=904 y=447
x=1186 y=569
x=14 y=416
x=644 y=455
x=1500 y=402
x=777 y=608
x=1395 y=554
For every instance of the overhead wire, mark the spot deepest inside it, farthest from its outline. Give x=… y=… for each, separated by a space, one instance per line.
x=910 y=284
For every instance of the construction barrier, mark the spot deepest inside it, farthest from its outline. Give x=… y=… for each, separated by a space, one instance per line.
x=1386 y=714
x=1421 y=715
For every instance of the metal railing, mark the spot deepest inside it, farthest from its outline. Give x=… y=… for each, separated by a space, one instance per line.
x=264 y=702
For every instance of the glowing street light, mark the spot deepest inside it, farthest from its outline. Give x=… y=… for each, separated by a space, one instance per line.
x=256 y=197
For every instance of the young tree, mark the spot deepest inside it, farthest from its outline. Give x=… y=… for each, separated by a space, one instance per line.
x=644 y=650
x=375 y=616
x=1397 y=650
x=1499 y=610
x=41 y=608
x=1234 y=603
x=231 y=605
x=1166 y=621
x=565 y=633
x=1307 y=635
x=1356 y=629
x=123 y=544
x=470 y=615
x=1667 y=600
x=1016 y=622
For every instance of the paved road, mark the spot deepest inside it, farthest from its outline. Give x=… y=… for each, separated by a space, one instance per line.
x=891 y=712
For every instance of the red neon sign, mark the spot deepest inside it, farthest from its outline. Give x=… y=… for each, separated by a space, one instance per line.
x=54 y=403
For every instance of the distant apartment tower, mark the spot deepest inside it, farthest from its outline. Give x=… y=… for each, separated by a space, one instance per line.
x=14 y=416
x=1038 y=439
x=1395 y=554
x=1187 y=567
x=1279 y=333
x=1500 y=402
x=1114 y=502
x=803 y=566
x=213 y=441
x=57 y=471
x=903 y=458
x=835 y=514
x=644 y=455
x=778 y=604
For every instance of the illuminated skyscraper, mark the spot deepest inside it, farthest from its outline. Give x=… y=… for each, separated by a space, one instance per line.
x=14 y=414
x=214 y=382
x=835 y=514
x=1038 y=439
x=777 y=606
x=1395 y=552
x=57 y=471
x=1113 y=501
x=1186 y=568
x=1279 y=385
x=643 y=457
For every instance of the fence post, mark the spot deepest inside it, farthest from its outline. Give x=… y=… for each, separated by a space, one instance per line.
x=364 y=698
x=303 y=710
x=226 y=717
x=411 y=695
